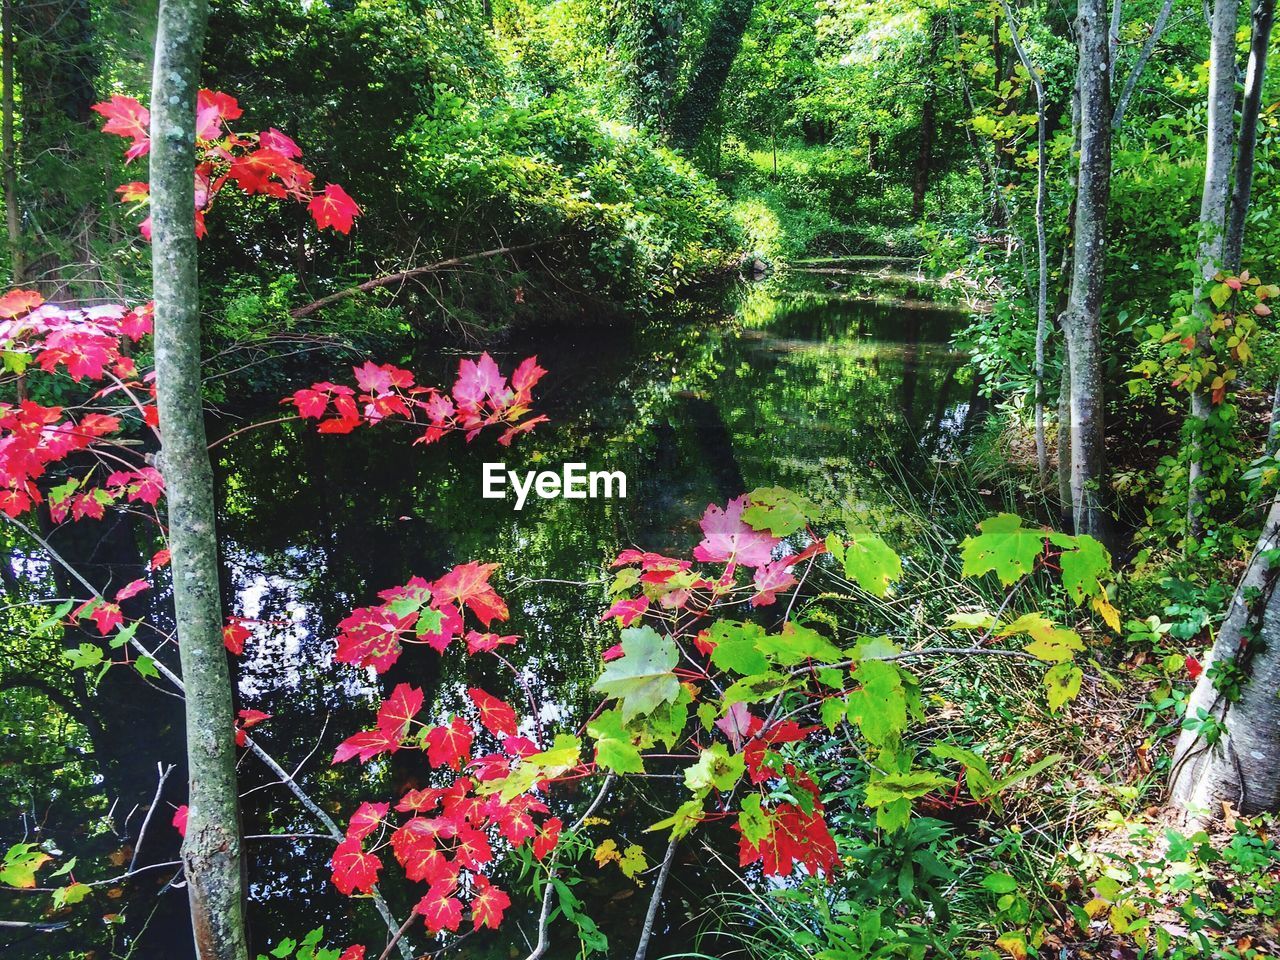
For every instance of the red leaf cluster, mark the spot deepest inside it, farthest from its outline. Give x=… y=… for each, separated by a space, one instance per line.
x=481 y=397
x=422 y=612
x=261 y=164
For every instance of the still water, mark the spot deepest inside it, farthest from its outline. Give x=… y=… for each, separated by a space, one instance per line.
x=837 y=385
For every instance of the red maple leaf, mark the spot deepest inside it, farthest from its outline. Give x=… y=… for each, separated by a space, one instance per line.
x=627 y=611
x=366 y=744
x=354 y=868
x=488 y=903
x=180 y=819
x=15 y=303
x=794 y=837
x=353 y=953
x=399 y=709
x=472 y=849
x=126 y=117
x=487 y=642
x=497 y=715
x=366 y=819
x=547 y=838
x=107 y=616
x=234 y=634
x=727 y=537
x=1194 y=667
x=370 y=637
x=468 y=584
x=132 y=589
x=334 y=208
x=450 y=745
x=440 y=910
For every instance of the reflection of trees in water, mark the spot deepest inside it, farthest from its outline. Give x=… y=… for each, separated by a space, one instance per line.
x=810 y=392
x=106 y=759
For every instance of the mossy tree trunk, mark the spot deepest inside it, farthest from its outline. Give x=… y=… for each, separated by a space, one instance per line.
x=211 y=852
x=706 y=83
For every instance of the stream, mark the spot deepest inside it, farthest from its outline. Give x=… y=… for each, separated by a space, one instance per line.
x=838 y=384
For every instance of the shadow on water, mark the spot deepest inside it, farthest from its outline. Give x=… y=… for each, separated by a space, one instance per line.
x=798 y=385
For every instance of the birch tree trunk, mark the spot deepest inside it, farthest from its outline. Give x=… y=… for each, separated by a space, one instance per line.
x=1081 y=320
x=1243 y=766
x=211 y=853
x=1219 y=150
x=1263 y=17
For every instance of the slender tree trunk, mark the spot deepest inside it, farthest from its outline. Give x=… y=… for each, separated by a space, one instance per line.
x=211 y=852
x=1064 y=442
x=1082 y=319
x=1042 y=252
x=16 y=265
x=1131 y=82
x=1263 y=17
x=1219 y=149
x=1243 y=766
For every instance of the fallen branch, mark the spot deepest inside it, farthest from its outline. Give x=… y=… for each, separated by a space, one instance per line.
x=396 y=279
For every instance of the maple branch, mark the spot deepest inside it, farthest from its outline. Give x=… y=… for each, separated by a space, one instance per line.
x=651 y=916
x=392 y=279
x=395 y=938
x=545 y=914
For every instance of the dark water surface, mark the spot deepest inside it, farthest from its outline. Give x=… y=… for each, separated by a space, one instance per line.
x=798 y=385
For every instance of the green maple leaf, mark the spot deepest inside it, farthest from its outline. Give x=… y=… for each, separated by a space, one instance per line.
x=617 y=748
x=686 y=817
x=752 y=820
x=892 y=787
x=643 y=678
x=871 y=562
x=796 y=644
x=736 y=647
x=780 y=511
x=716 y=768
x=1004 y=547
x=879 y=706
x=1055 y=645
x=633 y=861
x=1062 y=683
x=1083 y=565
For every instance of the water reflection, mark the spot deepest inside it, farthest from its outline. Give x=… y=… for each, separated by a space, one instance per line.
x=803 y=384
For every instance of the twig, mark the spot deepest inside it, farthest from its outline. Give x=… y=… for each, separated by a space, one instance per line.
x=142 y=832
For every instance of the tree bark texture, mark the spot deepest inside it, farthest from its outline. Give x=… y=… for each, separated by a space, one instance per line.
x=1243 y=767
x=1081 y=321
x=211 y=852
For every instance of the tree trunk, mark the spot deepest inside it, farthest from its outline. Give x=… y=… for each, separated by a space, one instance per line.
x=924 y=153
x=211 y=852
x=1219 y=149
x=1064 y=443
x=706 y=83
x=1263 y=16
x=1243 y=767
x=1042 y=252
x=1082 y=319
x=16 y=267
